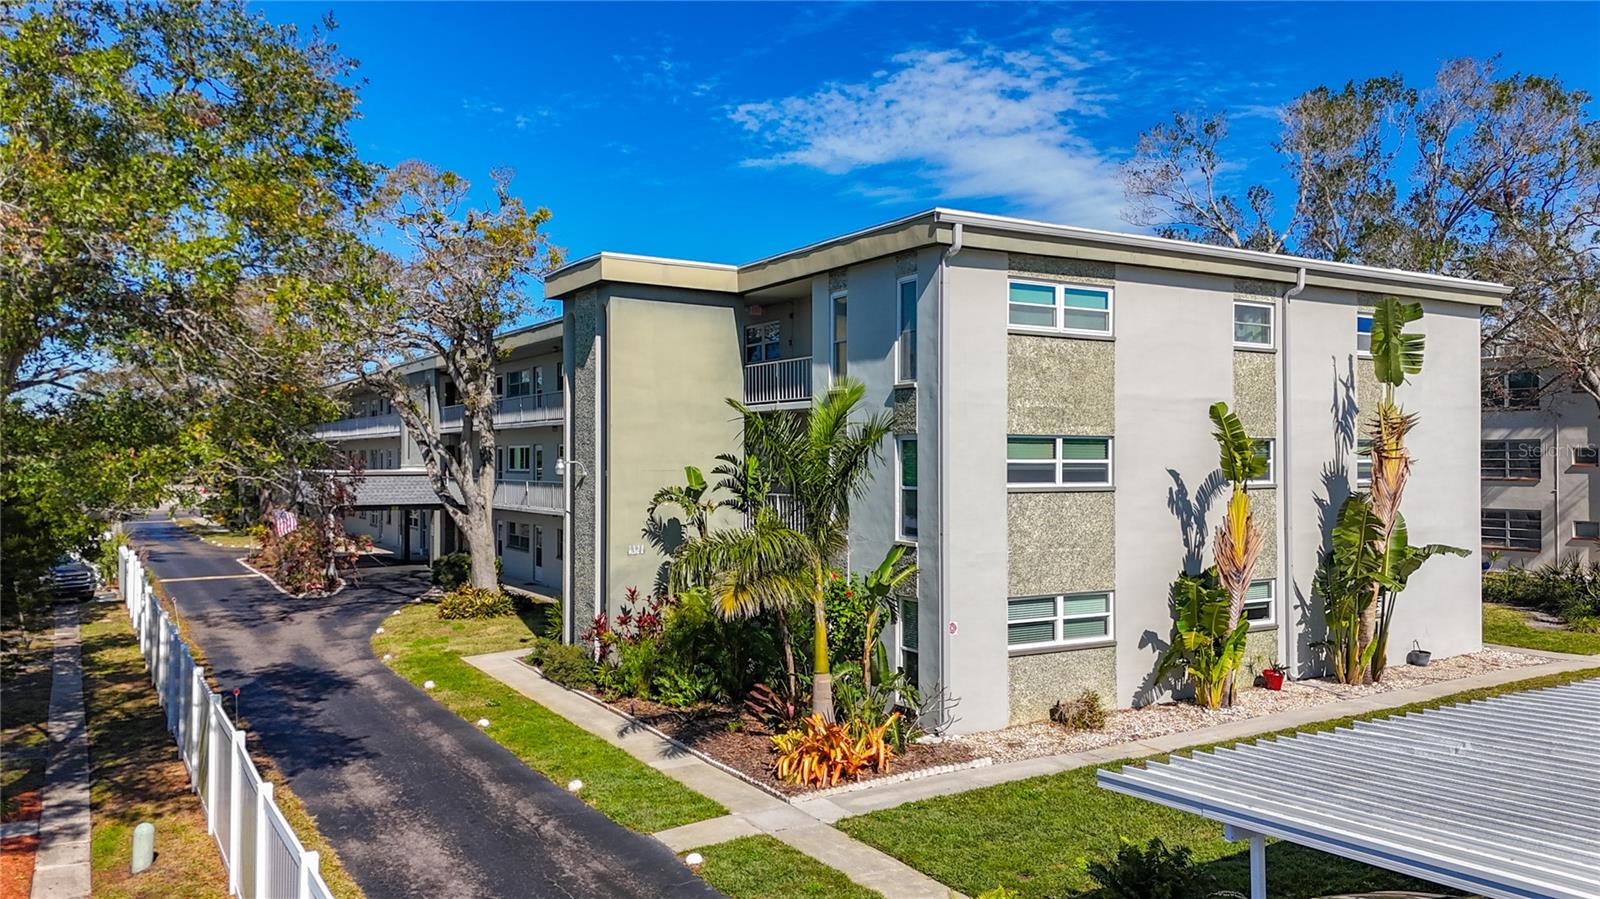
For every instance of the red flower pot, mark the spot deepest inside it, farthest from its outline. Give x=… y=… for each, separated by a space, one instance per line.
x=1272 y=679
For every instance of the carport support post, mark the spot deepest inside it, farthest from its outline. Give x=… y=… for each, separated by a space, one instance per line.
x=1258 y=857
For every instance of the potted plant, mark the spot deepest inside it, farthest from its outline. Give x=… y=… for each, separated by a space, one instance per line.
x=1272 y=678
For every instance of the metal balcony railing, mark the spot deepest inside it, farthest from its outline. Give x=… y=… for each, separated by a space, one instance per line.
x=353 y=428
x=533 y=409
x=528 y=496
x=788 y=510
x=778 y=381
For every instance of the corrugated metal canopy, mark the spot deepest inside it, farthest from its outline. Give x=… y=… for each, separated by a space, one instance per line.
x=1499 y=796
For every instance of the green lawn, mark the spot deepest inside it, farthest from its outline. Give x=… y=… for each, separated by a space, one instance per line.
x=1035 y=835
x=217 y=534
x=762 y=867
x=627 y=790
x=1509 y=626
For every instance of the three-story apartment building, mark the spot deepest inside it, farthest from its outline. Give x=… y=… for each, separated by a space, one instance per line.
x=1052 y=466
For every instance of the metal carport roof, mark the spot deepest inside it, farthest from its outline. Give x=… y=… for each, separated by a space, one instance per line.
x=1499 y=796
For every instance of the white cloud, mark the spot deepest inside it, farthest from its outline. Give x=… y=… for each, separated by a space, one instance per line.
x=970 y=125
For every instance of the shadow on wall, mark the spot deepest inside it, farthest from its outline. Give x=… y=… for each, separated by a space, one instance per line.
x=664 y=537
x=1337 y=485
x=1191 y=511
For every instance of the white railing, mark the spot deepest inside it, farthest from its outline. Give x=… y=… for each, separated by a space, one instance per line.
x=352 y=428
x=789 y=511
x=778 y=381
x=263 y=857
x=533 y=409
x=532 y=496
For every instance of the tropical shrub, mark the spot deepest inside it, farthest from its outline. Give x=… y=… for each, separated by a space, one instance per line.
x=452 y=570
x=475 y=602
x=682 y=687
x=1568 y=587
x=1238 y=538
x=567 y=664
x=821 y=753
x=1083 y=712
x=1203 y=645
x=776 y=707
x=1152 y=871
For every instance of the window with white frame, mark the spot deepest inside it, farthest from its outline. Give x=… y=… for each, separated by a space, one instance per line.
x=1515 y=529
x=517 y=383
x=1258 y=601
x=1253 y=325
x=907 y=465
x=1513 y=390
x=538 y=546
x=538 y=463
x=1033 y=621
x=1058 y=461
x=1067 y=308
x=906 y=346
x=1510 y=460
x=762 y=342
x=1363 y=462
x=1266 y=448
x=517 y=458
x=538 y=379
x=1586 y=530
x=908 y=639
x=841 y=333
x=1364 y=333
x=1586 y=454
x=519 y=535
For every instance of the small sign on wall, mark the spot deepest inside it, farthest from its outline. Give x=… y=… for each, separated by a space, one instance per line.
x=636 y=549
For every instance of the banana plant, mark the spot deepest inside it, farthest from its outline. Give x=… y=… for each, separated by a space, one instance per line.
x=1238 y=539
x=880 y=586
x=1400 y=561
x=1204 y=645
x=1396 y=354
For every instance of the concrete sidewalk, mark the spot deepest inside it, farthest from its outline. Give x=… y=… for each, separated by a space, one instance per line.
x=752 y=811
x=61 y=865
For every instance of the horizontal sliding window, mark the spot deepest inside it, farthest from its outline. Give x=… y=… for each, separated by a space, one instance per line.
x=1520 y=529
x=1258 y=601
x=1058 y=461
x=1066 y=308
x=1510 y=460
x=1058 y=620
x=1586 y=530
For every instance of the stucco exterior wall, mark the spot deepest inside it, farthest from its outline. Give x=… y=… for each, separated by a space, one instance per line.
x=583 y=350
x=1565 y=492
x=1255 y=392
x=1060 y=386
x=1060 y=542
x=1036 y=682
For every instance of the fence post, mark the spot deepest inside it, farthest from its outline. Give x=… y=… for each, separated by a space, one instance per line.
x=214 y=749
x=263 y=829
x=235 y=751
x=310 y=866
x=197 y=720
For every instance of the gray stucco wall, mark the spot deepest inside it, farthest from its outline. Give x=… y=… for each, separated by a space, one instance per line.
x=583 y=351
x=1565 y=493
x=1060 y=542
x=1060 y=386
x=1255 y=392
x=1036 y=682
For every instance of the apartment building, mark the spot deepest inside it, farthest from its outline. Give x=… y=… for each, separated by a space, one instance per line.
x=1051 y=466
x=396 y=505
x=1541 y=471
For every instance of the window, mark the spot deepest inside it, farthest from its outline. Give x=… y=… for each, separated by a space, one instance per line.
x=1586 y=530
x=518 y=537
x=1510 y=460
x=1058 y=620
x=1514 y=390
x=452 y=395
x=517 y=383
x=499 y=385
x=538 y=463
x=906 y=347
x=841 y=319
x=1265 y=448
x=1058 y=461
x=538 y=379
x=1059 y=307
x=908 y=487
x=1363 y=462
x=908 y=639
x=762 y=342
x=1588 y=455
x=538 y=547
x=1252 y=325
x=1513 y=529
x=517 y=458
x=388 y=459
x=561 y=375
x=388 y=515
x=1364 y=333
x=1258 y=601
x=561 y=540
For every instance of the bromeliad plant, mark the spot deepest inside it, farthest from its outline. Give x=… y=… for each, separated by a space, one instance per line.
x=1204 y=645
x=1239 y=538
x=821 y=753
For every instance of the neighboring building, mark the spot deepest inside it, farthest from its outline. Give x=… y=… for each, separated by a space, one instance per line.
x=1541 y=455
x=1052 y=464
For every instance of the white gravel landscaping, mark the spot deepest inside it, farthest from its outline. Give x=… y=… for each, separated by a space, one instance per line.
x=1025 y=741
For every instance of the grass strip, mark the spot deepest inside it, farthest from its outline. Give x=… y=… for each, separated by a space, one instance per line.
x=625 y=789
x=1036 y=835
x=764 y=867
x=1509 y=627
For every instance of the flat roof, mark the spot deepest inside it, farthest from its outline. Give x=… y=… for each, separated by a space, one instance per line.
x=937 y=226
x=1499 y=796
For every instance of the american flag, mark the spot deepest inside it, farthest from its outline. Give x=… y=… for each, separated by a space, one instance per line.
x=283 y=521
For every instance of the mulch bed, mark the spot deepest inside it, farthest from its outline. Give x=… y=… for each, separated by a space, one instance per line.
x=748 y=749
x=16 y=866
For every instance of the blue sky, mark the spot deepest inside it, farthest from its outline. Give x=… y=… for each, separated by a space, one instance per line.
x=727 y=132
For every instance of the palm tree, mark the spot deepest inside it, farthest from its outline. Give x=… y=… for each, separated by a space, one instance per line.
x=821 y=460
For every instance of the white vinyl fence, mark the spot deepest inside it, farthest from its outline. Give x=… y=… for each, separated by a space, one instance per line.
x=263 y=857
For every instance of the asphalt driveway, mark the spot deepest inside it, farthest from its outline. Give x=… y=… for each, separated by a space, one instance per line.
x=417 y=801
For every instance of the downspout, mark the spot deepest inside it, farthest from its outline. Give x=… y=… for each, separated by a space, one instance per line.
x=1291 y=642
x=944 y=455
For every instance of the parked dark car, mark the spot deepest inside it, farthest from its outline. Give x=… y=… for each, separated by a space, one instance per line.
x=71 y=579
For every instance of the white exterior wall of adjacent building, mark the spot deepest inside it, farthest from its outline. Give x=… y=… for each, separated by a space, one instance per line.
x=1565 y=426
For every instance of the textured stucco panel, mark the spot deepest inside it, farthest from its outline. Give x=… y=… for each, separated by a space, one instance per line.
x=1084 y=271
x=1255 y=392
x=1260 y=652
x=1038 y=681
x=1060 y=386
x=1060 y=542
x=1368 y=392
x=905 y=264
x=1253 y=289
x=1264 y=508
x=838 y=279
x=585 y=382
x=905 y=410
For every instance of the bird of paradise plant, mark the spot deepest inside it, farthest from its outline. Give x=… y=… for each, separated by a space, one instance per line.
x=1238 y=539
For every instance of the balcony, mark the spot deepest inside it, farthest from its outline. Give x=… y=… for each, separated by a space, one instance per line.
x=359 y=428
x=509 y=412
x=529 y=496
x=790 y=514
x=778 y=381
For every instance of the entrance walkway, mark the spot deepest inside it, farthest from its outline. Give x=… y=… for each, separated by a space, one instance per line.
x=61 y=866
